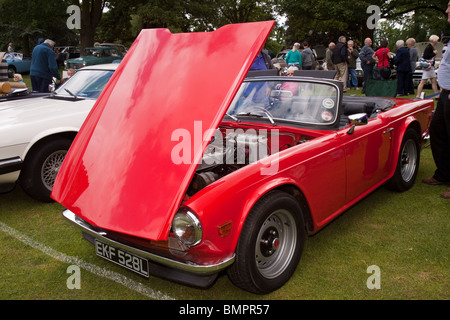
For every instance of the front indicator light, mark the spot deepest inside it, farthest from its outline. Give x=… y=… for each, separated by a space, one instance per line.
x=224 y=229
x=187 y=228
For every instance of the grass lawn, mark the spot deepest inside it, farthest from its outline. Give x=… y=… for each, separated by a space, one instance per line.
x=406 y=235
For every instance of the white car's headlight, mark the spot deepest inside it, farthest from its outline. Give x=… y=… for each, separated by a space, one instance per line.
x=186 y=227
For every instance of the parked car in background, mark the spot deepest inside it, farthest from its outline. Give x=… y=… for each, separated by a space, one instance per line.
x=66 y=52
x=184 y=177
x=36 y=133
x=280 y=60
x=17 y=63
x=94 y=55
x=118 y=46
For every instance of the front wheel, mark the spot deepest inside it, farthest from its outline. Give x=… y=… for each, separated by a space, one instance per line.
x=407 y=163
x=270 y=245
x=41 y=167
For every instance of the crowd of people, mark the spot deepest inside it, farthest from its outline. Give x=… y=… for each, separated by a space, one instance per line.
x=300 y=59
x=378 y=63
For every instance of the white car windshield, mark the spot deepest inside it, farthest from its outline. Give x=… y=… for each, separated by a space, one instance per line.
x=85 y=84
x=287 y=99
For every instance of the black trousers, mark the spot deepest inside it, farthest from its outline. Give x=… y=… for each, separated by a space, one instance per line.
x=410 y=83
x=440 y=137
x=402 y=82
x=39 y=84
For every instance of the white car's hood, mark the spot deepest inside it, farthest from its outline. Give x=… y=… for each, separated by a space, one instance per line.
x=38 y=109
x=25 y=121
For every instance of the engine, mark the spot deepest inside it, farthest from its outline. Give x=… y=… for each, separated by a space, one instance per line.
x=227 y=153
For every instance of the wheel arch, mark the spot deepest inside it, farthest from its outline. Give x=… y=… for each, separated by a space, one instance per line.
x=45 y=139
x=296 y=192
x=410 y=123
x=290 y=188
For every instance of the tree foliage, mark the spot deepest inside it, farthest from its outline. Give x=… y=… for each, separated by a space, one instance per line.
x=24 y=22
x=322 y=21
x=318 y=21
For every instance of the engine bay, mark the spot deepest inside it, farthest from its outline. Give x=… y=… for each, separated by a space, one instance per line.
x=233 y=148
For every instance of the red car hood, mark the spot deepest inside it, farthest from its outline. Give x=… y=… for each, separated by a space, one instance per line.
x=121 y=172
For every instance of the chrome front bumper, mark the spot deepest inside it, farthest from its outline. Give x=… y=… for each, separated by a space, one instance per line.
x=188 y=267
x=10 y=165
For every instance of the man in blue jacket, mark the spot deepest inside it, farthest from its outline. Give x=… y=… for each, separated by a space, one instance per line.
x=367 y=62
x=43 y=66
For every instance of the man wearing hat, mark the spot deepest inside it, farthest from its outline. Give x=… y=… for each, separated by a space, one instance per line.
x=43 y=66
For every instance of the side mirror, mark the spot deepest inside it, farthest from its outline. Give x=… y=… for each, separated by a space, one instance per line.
x=358 y=119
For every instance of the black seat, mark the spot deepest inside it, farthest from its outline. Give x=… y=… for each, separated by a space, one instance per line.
x=358 y=107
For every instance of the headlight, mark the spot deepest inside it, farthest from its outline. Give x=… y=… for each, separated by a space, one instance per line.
x=84 y=63
x=187 y=227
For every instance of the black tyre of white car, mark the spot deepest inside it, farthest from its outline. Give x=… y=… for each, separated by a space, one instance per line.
x=270 y=244
x=41 y=167
x=407 y=163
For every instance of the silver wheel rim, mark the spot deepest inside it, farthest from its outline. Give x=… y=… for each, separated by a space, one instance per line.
x=51 y=167
x=408 y=160
x=276 y=243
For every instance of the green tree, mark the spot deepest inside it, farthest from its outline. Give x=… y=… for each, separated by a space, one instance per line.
x=322 y=21
x=24 y=22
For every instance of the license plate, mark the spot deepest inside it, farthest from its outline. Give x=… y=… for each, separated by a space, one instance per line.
x=123 y=258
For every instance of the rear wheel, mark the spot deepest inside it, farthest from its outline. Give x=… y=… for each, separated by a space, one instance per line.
x=270 y=245
x=41 y=167
x=407 y=163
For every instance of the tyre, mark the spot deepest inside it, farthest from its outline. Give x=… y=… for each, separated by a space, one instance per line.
x=270 y=244
x=41 y=166
x=407 y=163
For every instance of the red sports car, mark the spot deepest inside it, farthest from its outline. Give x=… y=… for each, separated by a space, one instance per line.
x=190 y=164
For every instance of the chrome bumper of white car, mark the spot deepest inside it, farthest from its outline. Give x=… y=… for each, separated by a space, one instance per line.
x=188 y=267
x=10 y=165
x=9 y=173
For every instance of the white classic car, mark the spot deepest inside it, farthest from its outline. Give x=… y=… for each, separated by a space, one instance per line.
x=36 y=133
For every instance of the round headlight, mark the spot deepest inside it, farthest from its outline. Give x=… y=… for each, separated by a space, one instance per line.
x=187 y=227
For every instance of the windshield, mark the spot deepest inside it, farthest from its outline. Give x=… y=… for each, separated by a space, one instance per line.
x=85 y=84
x=287 y=99
x=101 y=52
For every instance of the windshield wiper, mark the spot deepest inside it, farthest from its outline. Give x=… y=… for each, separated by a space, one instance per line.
x=233 y=117
x=69 y=92
x=250 y=114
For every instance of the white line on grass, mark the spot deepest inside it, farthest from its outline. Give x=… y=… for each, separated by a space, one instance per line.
x=114 y=276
